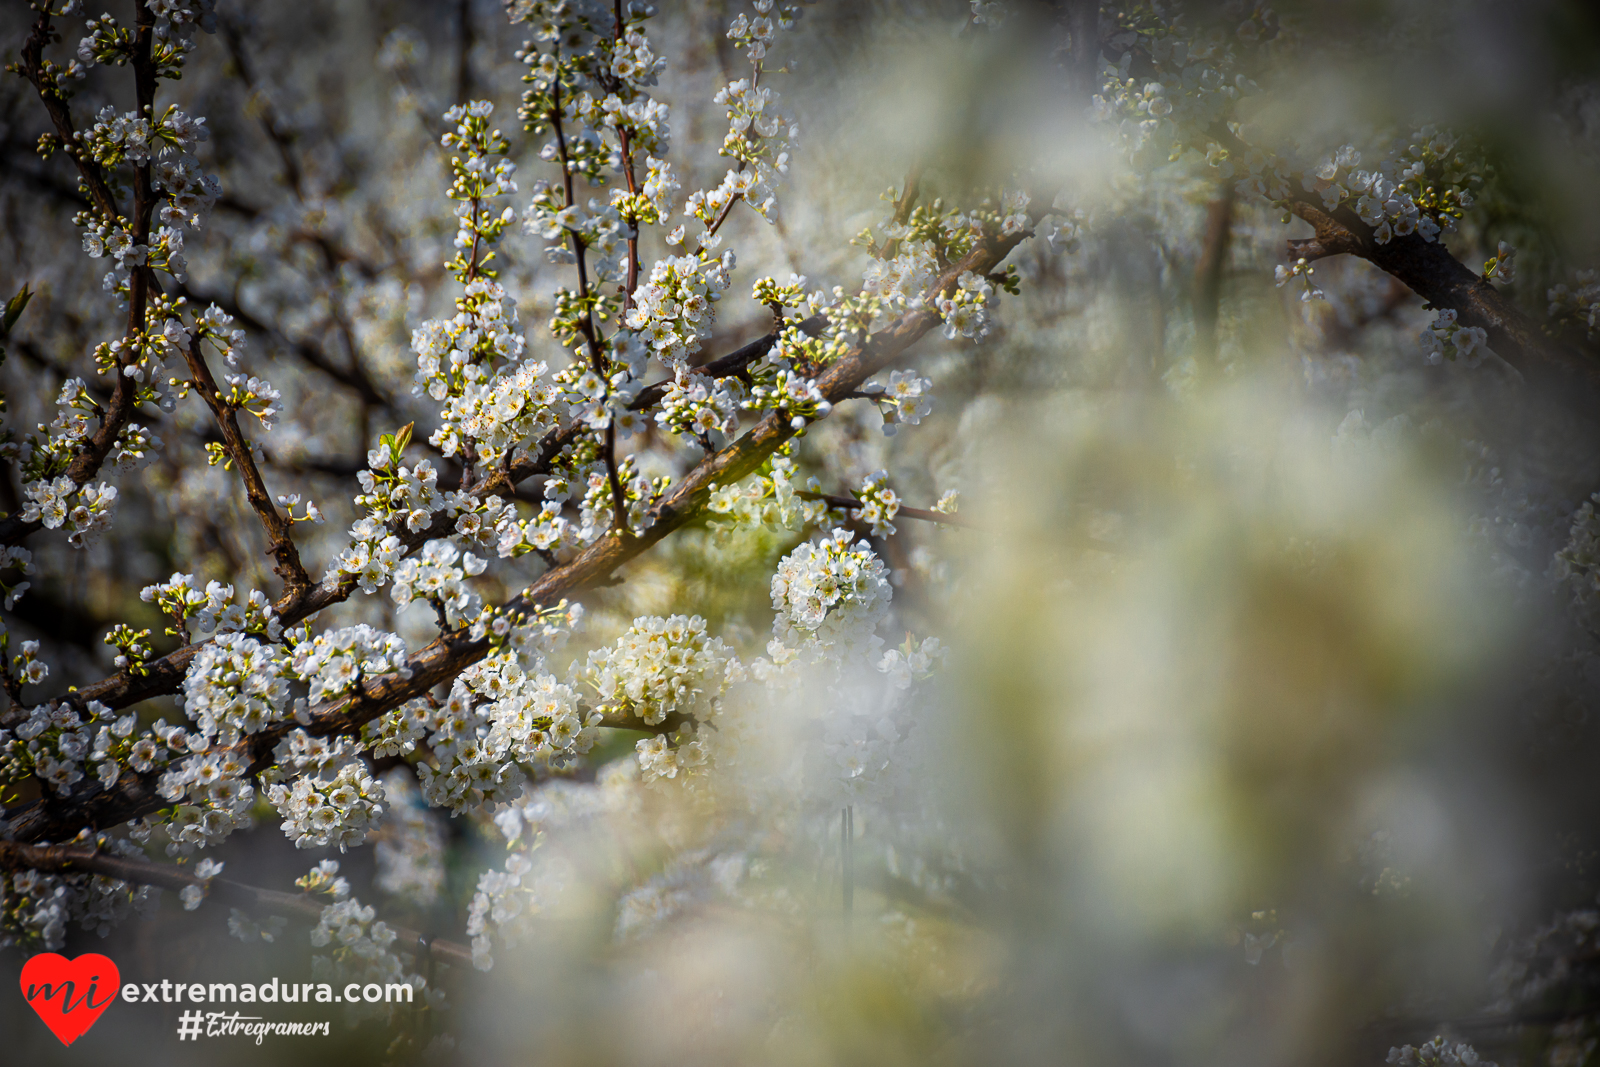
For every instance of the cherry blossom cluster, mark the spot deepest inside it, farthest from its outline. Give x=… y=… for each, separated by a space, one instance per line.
x=1445 y=338
x=497 y=716
x=906 y=399
x=361 y=944
x=450 y=351
x=133 y=648
x=52 y=743
x=253 y=395
x=640 y=492
x=335 y=662
x=496 y=902
x=912 y=662
x=1303 y=270
x=28 y=666
x=372 y=554
x=136 y=448
x=488 y=418
x=337 y=804
x=1421 y=188
x=236 y=685
x=474 y=179
x=191 y=895
x=189 y=193
x=831 y=594
x=210 y=795
x=1195 y=82
x=1577 y=563
x=702 y=407
x=193 y=609
x=779 y=386
x=1579 y=303
x=879 y=503
x=768 y=498
x=439 y=576
x=904 y=278
x=908 y=260
x=161 y=142
x=965 y=308
x=674 y=310
x=36 y=908
x=464 y=773
x=598 y=226
x=659 y=667
x=485 y=413
x=85 y=511
x=409 y=846
x=393 y=492
x=760 y=134
x=1437 y=1053
x=759 y=137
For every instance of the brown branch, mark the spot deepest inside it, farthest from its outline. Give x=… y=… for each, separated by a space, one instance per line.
x=61 y=115
x=619 y=501
x=82 y=859
x=1428 y=269
x=902 y=211
x=355 y=378
x=850 y=503
x=88 y=461
x=280 y=544
x=135 y=794
x=165 y=675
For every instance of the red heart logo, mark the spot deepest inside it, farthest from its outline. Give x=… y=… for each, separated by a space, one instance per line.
x=67 y=994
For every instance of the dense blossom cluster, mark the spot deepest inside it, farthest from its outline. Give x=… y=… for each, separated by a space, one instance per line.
x=497 y=717
x=335 y=662
x=1578 y=303
x=1445 y=338
x=236 y=685
x=439 y=576
x=770 y=497
x=660 y=667
x=1437 y=1053
x=830 y=594
x=359 y=944
x=409 y=848
x=337 y=804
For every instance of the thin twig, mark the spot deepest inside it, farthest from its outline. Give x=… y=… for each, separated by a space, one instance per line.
x=280 y=544
x=850 y=503
x=93 y=454
x=619 y=501
x=83 y=859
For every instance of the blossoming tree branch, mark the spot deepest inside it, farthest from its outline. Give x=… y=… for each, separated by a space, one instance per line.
x=273 y=706
x=581 y=406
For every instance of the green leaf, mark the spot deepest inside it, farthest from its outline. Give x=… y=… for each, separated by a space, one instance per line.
x=14 y=308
